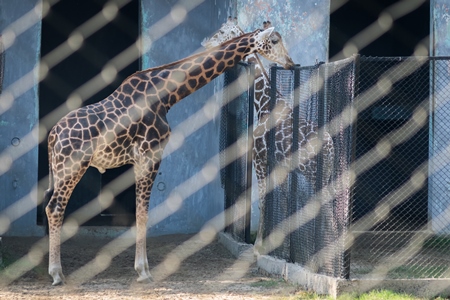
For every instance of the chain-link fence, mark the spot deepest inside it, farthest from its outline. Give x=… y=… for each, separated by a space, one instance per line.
x=361 y=189
x=313 y=213
x=400 y=198
x=357 y=150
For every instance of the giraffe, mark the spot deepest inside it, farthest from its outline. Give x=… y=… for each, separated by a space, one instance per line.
x=130 y=127
x=308 y=131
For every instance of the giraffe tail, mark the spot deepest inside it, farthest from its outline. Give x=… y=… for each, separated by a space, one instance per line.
x=49 y=192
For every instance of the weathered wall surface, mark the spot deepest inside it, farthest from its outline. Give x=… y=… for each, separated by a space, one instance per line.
x=304 y=25
x=188 y=167
x=194 y=142
x=19 y=117
x=440 y=26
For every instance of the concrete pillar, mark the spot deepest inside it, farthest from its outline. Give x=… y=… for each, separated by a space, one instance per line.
x=20 y=26
x=439 y=170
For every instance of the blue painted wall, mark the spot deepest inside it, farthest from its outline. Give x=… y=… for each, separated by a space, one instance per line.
x=19 y=118
x=304 y=25
x=440 y=27
x=181 y=169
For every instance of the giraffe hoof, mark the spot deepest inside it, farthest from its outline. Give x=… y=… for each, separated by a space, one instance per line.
x=145 y=279
x=58 y=280
x=58 y=277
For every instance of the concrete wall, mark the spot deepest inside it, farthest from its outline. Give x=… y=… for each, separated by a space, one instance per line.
x=194 y=142
x=184 y=160
x=304 y=25
x=19 y=117
x=183 y=168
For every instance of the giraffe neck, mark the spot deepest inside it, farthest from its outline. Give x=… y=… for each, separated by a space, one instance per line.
x=262 y=90
x=262 y=85
x=173 y=82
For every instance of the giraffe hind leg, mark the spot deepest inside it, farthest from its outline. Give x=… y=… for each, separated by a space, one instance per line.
x=47 y=196
x=54 y=217
x=55 y=214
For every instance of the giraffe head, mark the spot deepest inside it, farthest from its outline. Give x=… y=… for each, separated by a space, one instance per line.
x=269 y=44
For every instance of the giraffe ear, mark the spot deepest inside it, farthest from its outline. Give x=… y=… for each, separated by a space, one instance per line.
x=265 y=34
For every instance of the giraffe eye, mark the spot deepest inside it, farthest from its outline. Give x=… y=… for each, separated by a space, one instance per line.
x=274 y=42
x=221 y=31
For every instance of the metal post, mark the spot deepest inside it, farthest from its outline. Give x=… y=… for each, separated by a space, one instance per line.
x=271 y=159
x=321 y=119
x=294 y=154
x=248 y=190
x=349 y=238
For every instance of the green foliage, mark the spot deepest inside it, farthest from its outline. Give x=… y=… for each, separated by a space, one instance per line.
x=381 y=295
x=267 y=283
x=417 y=271
x=437 y=243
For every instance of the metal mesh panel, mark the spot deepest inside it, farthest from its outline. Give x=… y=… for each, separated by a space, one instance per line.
x=338 y=95
x=400 y=197
x=234 y=147
x=303 y=207
x=379 y=206
x=279 y=146
x=303 y=225
x=308 y=95
x=386 y=107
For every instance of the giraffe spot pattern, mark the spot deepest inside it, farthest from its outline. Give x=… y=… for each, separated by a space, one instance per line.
x=128 y=127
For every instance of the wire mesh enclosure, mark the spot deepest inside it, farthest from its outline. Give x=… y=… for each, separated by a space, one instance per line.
x=235 y=147
x=358 y=187
x=309 y=208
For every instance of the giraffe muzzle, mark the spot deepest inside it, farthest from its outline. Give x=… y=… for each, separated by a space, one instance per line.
x=289 y=63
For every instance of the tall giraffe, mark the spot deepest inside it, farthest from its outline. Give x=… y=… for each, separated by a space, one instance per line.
x=130 y=127
x=308 y=134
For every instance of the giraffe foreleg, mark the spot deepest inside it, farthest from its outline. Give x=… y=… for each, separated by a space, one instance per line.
x=145 y=174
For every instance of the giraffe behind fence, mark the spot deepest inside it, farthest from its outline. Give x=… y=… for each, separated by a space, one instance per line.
x=308 y=136
x=130 y=127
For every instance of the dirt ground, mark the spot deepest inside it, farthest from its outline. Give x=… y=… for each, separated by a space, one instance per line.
x=182 y=266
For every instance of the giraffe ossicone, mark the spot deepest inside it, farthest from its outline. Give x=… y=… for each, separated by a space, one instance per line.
x=130 y=127
x=308 y=144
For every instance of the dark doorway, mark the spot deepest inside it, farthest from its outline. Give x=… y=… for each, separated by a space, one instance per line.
x=72 y=73
x=390 y=112
x=354 y=16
